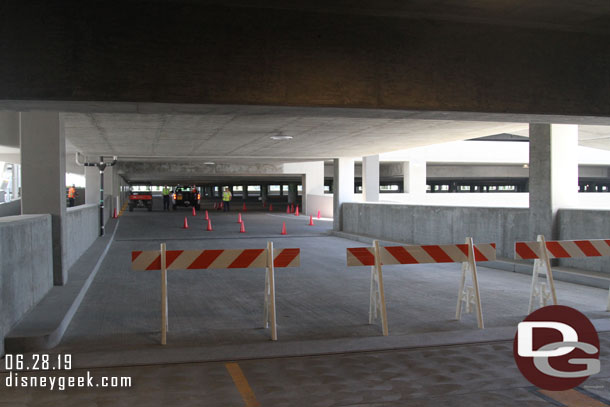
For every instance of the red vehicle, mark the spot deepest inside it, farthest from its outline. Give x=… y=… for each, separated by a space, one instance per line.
x=140 y=199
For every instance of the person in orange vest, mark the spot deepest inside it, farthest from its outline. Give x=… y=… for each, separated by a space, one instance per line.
x=71 y=195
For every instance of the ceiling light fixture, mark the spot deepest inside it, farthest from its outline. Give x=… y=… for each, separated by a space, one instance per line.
x=209 y=163
x=281 y=137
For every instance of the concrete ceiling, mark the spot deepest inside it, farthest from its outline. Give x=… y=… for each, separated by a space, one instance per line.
x=244 y=135
x=567 y=15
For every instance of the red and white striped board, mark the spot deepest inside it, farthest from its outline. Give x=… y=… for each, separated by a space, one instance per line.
x=561 y=249
x=214 y=259
x=453 y=253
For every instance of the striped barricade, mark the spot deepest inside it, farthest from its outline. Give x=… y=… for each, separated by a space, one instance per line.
x=218 y=259
x=556 y=249
x=467 y=254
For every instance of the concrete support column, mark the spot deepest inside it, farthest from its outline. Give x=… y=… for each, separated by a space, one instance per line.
x=245 y=192
x=370 y=178
x=15 y=182
x=312 y=179
x=292 y=193
x=553 y=179
x=92 y=185
x=108 y=191
x=43 y=177
x=415 y=178
x=264 y=192
x=343 y=188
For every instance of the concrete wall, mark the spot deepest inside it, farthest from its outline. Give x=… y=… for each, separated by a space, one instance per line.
x=26 y=267
x=585 y=224
x=82 y=229
x=437 y=224
x=470 y=199
x=12 y=208
x=322 y=203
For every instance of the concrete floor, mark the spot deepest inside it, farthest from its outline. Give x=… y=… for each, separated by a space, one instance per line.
x=322 y=299
x=321 y=303
x=458 y=376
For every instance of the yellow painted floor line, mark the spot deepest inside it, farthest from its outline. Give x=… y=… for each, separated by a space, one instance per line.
x=242 y=385
x=573 y=398
x=123 y=209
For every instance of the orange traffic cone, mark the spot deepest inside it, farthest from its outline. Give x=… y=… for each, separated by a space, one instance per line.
x=186 y=224
x=194 y=213
x=242 y=228
x=114 y=215
x=318 y=214
x=209 y=229
x=292 y=208
x=244 y=208
x=221 y=205
x=239 y=218
x=284 y=228
x=311 y=220
x=296 y=213
x=215 y=205
x=288 y=209
x=206 y=215
x=270 y=207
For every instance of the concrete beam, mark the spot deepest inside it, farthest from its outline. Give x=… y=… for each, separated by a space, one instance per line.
x=351 y=61
x=192 y=170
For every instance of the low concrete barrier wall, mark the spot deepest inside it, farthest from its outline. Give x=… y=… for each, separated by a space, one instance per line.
x=82 y=228
x=585 y=224
x=438 y=224
x=26 y=267
x=322 y=203
x=12 y=208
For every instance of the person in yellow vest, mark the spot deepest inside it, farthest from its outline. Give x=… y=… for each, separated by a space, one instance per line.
x=71 y=195
x=226 y=199
x=166 y=193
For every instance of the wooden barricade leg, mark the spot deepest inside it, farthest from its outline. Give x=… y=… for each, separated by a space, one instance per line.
x=266 y=312
x=373 y=297
x=271 y=291
x=470 y=295
x=379 y=273
x=462 y=293
x=549 y=271
x=164 y=306
x=534 y=286
x=475 y=283
x=539 y=290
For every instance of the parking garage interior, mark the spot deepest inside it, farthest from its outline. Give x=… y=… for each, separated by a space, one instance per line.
x=334 y=127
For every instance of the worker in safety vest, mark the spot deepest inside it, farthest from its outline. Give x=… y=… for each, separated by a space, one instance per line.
x=226 y=198
x=71 y=195
x=166 y=191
